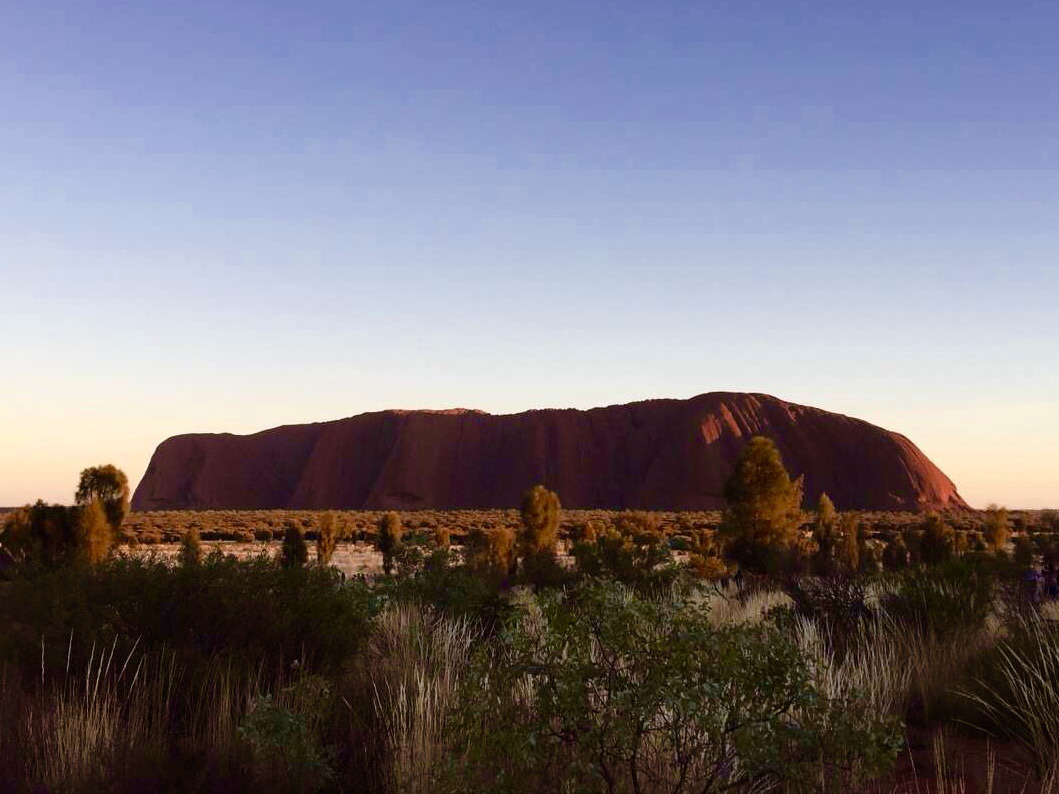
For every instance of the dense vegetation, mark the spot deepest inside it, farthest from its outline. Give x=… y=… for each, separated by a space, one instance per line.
x=526 y=650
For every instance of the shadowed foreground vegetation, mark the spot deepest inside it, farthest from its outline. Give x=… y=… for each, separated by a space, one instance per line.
x=768 y=648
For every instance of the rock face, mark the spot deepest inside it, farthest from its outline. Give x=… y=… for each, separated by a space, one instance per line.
x=661 y=454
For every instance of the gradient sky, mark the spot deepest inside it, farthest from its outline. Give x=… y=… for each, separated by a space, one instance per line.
x=227 y=216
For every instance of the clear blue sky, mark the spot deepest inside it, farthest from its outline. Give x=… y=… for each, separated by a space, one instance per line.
x=227 y=216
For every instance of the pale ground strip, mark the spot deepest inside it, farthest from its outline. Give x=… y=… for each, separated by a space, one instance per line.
x=352 y=559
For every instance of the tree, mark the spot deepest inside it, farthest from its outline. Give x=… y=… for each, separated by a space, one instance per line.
x=190 y=548
x=825 y=511
x=108 y=484
x=539 y=537
x=938 y=542
x=389 y=539
x=93 y=535
x=490 y=552
x=764 y=515
x=55 y=535
x=997 y=528
x=294 y=554
x=827 y=538
x=326 y=539
x=540 y=522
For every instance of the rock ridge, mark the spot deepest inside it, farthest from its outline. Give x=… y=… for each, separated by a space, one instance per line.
x=654 y=454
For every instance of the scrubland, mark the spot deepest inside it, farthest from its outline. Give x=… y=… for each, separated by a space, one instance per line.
x=530 y=650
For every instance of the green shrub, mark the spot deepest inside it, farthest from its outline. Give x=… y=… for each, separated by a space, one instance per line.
x=285 y=748
x=633 y=550
x=604 y=690
x=388 y=539
x=938 y=542
x=957 y=597
x=295 y=552
x=248 y=611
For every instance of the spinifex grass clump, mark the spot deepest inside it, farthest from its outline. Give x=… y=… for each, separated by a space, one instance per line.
x=1019 y=693
x=413 y=666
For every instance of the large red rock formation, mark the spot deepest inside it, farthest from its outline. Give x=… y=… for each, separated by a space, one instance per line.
x=665 y=454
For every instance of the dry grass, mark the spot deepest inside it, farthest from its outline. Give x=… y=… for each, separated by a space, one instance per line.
x=876 y=668
x=90 y=725
x=730 y=606
x=1029 y=667
x=416 y=658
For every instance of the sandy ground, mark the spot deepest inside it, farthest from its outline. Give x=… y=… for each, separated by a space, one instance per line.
x=351 y=558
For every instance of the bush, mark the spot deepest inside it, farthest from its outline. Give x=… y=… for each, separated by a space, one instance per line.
x=957 y=597
x=540 y=522
x=295 y=553
x=93 y=533
x=937 y=544
x=837 y=606
x=251 y=611
x=604 y=690
x=490 y=553
x=190 y=548
x=632 y=551
x=326 y=539
x=388 y=539
x=997 y=528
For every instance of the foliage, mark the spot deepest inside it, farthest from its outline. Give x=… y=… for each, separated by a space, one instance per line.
x=109 y=485
x=93 y=533
x=539 y=537
x=604 y=691
x=633 y=550
x=1019 y=692
x=997 y=528
x=706 y=557
x=190 y=548
x=246 y=610
x=836 y=540
x=1024 y=552
x=764 y=509
x=442 y=538
x=388 y=539
x=938 y=541
x=45 y=535
x=895 y=553
x=956 y=598
x=540 y=522
x=326 y=538
x=837 y=606
x=295 y=552
x=283 y=743
x=490 y=552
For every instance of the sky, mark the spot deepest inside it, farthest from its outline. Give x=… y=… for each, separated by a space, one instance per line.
x=230 y=216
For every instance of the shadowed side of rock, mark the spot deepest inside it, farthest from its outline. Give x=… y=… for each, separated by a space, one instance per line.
x=662 y=454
